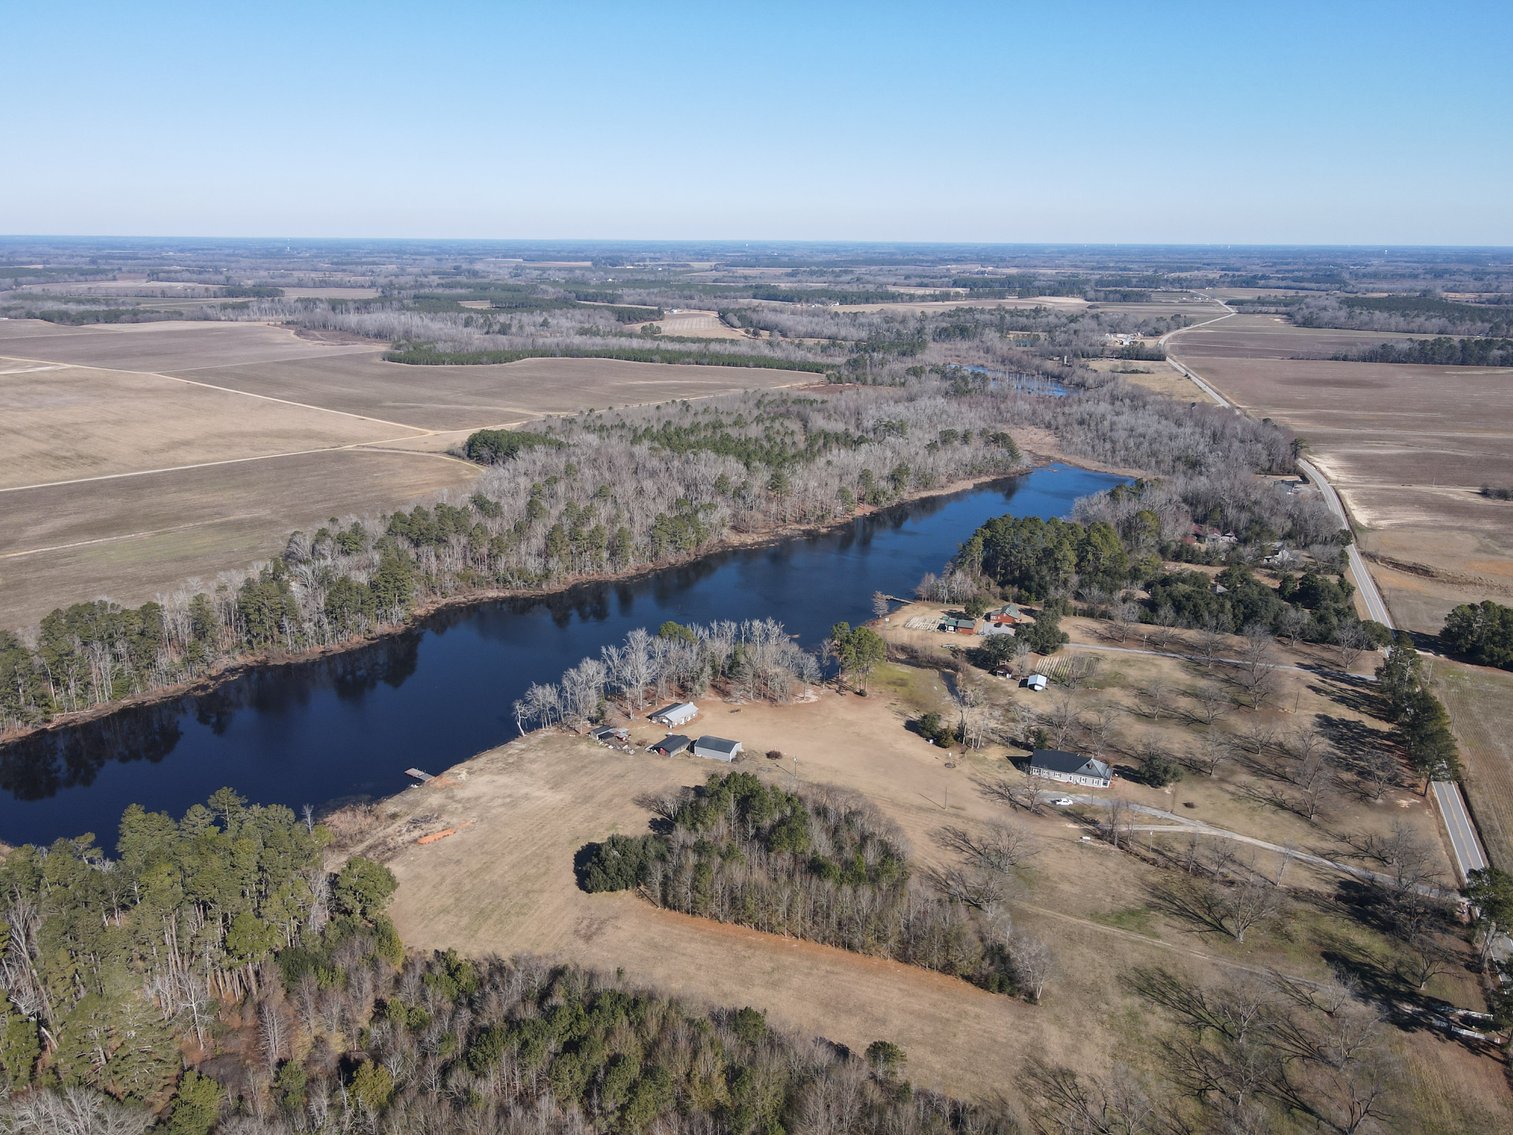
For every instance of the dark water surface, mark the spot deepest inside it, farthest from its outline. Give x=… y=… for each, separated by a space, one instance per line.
x=350 y=724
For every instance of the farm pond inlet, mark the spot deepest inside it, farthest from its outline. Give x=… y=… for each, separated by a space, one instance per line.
x=349 y=724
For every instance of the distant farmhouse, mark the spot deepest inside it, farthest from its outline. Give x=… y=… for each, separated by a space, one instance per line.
x=1070 y=768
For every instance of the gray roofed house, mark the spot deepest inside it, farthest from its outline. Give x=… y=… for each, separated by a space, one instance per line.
x=1070 y=768
x=671 y=745
x=679 y=713
x=716 y=748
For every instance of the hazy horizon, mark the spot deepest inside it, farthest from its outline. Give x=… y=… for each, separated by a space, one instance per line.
x=754 y=242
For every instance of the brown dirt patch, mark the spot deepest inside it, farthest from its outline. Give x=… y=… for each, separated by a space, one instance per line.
x=1156 y=377
x=1272 y=337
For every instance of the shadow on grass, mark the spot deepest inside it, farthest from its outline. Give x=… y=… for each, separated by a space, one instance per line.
x=1191 y=900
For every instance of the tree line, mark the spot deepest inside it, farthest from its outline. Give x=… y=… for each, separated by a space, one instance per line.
x=1442 y=350
x=1423 y=314
x=1422 y=724
x=818 y=865
x=429 y=354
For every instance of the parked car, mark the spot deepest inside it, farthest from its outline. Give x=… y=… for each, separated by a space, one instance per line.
x=1063 y=801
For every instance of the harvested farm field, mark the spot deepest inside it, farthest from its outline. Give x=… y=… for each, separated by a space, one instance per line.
x=471 y=397
x=1271 y=337
x=60 y=422
x=141 y=455
x=131 y=538
x=696 y=325
x=164 y=346
x=1407 y=446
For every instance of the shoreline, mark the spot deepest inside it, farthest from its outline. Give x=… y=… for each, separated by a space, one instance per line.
x=734 y=541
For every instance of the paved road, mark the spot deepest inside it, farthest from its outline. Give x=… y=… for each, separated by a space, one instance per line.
x=1465 y=843
x=1375 y=607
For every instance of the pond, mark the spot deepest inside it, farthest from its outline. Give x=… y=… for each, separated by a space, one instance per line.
x=350 y=724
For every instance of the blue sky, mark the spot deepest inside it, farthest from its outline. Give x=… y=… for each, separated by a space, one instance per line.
x=1319 y=122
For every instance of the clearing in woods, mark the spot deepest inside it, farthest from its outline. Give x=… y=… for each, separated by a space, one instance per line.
x=1408 y=447
x=694 y=324
x=138 y=456
x=505 y=885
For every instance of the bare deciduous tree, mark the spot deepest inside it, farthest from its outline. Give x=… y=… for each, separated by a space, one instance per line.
x=72 y=1111
x=1246 y=904
x=1350 y=642
x=1034 y=965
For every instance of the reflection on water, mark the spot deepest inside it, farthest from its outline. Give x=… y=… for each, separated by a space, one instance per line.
x=349 y=724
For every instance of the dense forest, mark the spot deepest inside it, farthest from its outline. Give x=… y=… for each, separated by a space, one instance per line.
x=215 y=973
x=116 y=967
x=1035 y=560
x=818 y=865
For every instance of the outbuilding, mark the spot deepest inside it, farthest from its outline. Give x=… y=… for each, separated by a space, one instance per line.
x=716 y=749
x=1037 y=682
x=1070 y=768
x=953 y=624
x=671 y=745
x=679 y=713
x=1010 y=614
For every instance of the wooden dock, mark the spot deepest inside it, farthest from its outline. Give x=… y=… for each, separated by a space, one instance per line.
x=419 y=774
